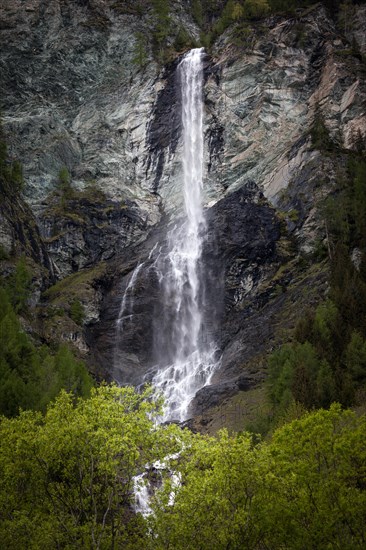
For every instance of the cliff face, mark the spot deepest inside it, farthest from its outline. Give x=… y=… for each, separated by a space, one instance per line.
x=76 y=95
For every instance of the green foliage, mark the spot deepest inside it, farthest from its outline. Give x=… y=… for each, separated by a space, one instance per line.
x=228 y=15
x=320 y=138
x=67 y=476
x=19 y=286
x=77 y=312
x=241 y=35
x=256 y=9
x=11 y=172
x=296 y=373
x=140 y=57
x=64 y=185
x=206 y=39
x=237 y=11
x=67 y=479
x=64 y=177
x=305 y=489
x=183 y=40
x=197 y=12
x=356 y=357
x=71 y=373
x=334 y=368
x=293 y=215
x=357 y=171
x=162 y=24
x=213 y=504
x=31 y=377
x=282 y=6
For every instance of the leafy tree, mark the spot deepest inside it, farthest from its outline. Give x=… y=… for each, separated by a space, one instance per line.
x=317 y=496
x=356 y=357
x=237 y=12
x=320 y=137
x=17 y=364
x=64 y=178
x=67 y=476
x=64 y=185
x=284 y=6
x=256 y=9
x=72 y=375
x=227 y=17
x=197 y=12
x=163 y=23
x=304 y=489
x=182 y=40
x=215 y=500
x=359 y=201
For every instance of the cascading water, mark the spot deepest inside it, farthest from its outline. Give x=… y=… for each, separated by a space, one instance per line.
x=185 y=355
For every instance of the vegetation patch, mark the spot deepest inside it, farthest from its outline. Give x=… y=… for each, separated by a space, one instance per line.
x=74 y=285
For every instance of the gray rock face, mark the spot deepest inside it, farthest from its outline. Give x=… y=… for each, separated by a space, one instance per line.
x=20 y=235
x=265 y=99
x=75 y=98
x=86 y=231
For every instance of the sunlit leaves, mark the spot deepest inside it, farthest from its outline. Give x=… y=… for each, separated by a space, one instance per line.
x=68 y=476
x=305 y=489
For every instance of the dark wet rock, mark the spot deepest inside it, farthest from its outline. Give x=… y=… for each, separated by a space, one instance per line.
x=84 y=231
x=20 y=235
x=165 y=125
x=213 y=395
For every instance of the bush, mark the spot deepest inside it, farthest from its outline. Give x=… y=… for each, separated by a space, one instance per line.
x=77 y=312
x=320 y=137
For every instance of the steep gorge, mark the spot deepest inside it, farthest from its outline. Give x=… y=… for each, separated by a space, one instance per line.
x=73 y=95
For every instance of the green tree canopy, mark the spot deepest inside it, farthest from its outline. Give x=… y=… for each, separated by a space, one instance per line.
x=305 y=489
x=67 y=476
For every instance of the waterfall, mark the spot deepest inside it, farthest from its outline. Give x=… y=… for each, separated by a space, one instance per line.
x=185 y=355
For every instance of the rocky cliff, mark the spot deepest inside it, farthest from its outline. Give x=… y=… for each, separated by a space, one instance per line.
x=75 y=94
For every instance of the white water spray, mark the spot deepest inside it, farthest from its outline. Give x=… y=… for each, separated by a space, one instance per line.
x=186 y=357
x=126 y=309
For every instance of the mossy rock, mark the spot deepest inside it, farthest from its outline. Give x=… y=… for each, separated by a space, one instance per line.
x=61 y=328
x=79 y=288
x=76 y=283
